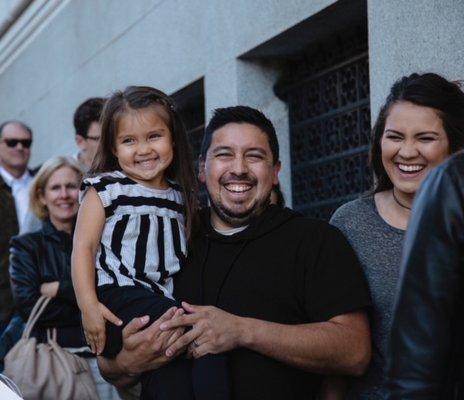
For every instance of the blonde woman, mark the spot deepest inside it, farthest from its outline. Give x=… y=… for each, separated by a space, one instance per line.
x=40 y=261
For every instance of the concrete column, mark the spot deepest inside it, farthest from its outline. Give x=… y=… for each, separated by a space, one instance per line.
x=413 y=36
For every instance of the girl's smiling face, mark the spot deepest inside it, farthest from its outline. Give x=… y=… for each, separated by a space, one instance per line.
x=414 y=142
x=144 y=147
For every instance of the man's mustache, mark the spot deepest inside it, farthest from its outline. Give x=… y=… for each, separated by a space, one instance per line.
x=232 y=178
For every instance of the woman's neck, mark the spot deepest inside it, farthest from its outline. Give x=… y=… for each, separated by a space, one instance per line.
x=394 y=207
x=404 y=200
x=63 y=226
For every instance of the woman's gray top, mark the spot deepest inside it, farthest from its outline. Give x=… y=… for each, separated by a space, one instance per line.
x=378 y=246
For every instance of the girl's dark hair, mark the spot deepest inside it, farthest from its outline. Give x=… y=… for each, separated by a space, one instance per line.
x=428 y=90
x=181 y=169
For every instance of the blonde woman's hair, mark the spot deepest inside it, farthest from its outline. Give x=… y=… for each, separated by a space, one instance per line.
x=42 y=177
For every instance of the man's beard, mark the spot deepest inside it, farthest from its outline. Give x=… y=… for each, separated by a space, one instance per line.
x=238 y=219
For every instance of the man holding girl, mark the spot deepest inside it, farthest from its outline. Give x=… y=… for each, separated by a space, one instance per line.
x=264 y=285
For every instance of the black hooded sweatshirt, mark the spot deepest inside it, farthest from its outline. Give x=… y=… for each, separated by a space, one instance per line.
x=283 y=268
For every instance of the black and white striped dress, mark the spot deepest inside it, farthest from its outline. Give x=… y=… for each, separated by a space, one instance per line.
x=143 y=242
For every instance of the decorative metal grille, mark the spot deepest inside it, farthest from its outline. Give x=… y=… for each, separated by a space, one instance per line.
x=328 y=97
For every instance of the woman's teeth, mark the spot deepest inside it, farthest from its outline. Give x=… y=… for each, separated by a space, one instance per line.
x=410 y=168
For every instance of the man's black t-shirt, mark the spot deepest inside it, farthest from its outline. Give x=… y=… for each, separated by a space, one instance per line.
x=283 y=268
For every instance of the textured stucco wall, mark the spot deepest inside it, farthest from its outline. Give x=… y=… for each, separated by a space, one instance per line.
x=95 y=46
x=413 y=36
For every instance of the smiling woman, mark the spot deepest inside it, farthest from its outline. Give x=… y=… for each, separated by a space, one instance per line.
x=40 y=262
x=419 y=126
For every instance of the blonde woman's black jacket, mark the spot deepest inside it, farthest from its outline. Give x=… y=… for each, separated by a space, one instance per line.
x=39 y=257
x=427 y=341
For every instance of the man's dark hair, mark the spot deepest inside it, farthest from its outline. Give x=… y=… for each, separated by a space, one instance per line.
x=14 y=122
x=427 y=90
x=240 y=115
x=89 y=111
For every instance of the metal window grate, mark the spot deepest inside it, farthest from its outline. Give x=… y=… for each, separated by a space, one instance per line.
x=327 y=92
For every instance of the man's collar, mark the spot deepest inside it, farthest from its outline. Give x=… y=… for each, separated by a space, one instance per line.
x=10 y=179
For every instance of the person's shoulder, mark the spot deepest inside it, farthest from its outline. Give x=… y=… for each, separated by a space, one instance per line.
x=105 y=181
x=108 y=177
x=352 y=210
x=26 y=239
x=314 y=227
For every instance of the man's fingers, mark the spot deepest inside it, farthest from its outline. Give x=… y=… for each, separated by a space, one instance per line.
x=169 y=314
x=182 y=342
x=182 y=321
x=174 y=335
x=135 y=325
x=200 y=351
x=190 y=308
x=109 y=316
x=178 y=313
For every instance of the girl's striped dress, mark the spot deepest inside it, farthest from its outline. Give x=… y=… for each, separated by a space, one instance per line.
x=143 y=240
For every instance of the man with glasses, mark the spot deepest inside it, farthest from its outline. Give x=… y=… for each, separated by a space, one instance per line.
x=88 y=130
x=15 y=180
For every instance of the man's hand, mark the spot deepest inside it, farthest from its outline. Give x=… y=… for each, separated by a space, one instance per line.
x=213 y=331
x=144 y=348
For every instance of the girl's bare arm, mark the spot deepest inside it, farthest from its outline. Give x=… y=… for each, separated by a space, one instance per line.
x=87 y=236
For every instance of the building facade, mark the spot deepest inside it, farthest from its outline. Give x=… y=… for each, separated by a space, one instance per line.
x=319 y=69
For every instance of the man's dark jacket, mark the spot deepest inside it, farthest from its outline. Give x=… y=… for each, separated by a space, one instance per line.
x=283 y=268
x=9 y=228
x=427 y=341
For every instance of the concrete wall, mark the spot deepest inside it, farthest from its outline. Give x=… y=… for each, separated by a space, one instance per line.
x=91 y=47
x=413 y=36
x=95 y=46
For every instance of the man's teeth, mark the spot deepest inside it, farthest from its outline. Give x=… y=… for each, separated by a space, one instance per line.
x=410 y=168
x=238 y=188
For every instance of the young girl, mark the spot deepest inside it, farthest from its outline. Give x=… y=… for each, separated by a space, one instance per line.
x=131 y=226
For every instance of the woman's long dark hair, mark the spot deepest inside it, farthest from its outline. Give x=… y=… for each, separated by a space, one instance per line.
x=428 y=90
x=181 y=169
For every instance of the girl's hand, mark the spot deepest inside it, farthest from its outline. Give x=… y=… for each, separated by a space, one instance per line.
x=49 y=289
x=93 y=322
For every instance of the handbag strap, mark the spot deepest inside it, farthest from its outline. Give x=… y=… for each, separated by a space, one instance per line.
x=51 y=334
x=36 y=312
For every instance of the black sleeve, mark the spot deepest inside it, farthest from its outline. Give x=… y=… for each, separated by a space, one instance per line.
x=335 y=282
x=66 y=291
x=24 y=275
x=421 y=339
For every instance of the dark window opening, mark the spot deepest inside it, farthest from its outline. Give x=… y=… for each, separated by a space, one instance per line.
x=190 y=101
x=327 y=91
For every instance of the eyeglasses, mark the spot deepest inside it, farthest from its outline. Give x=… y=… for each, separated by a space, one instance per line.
x=26 y=143
x=93 y=138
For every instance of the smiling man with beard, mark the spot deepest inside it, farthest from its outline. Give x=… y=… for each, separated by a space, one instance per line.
x=282 y=295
